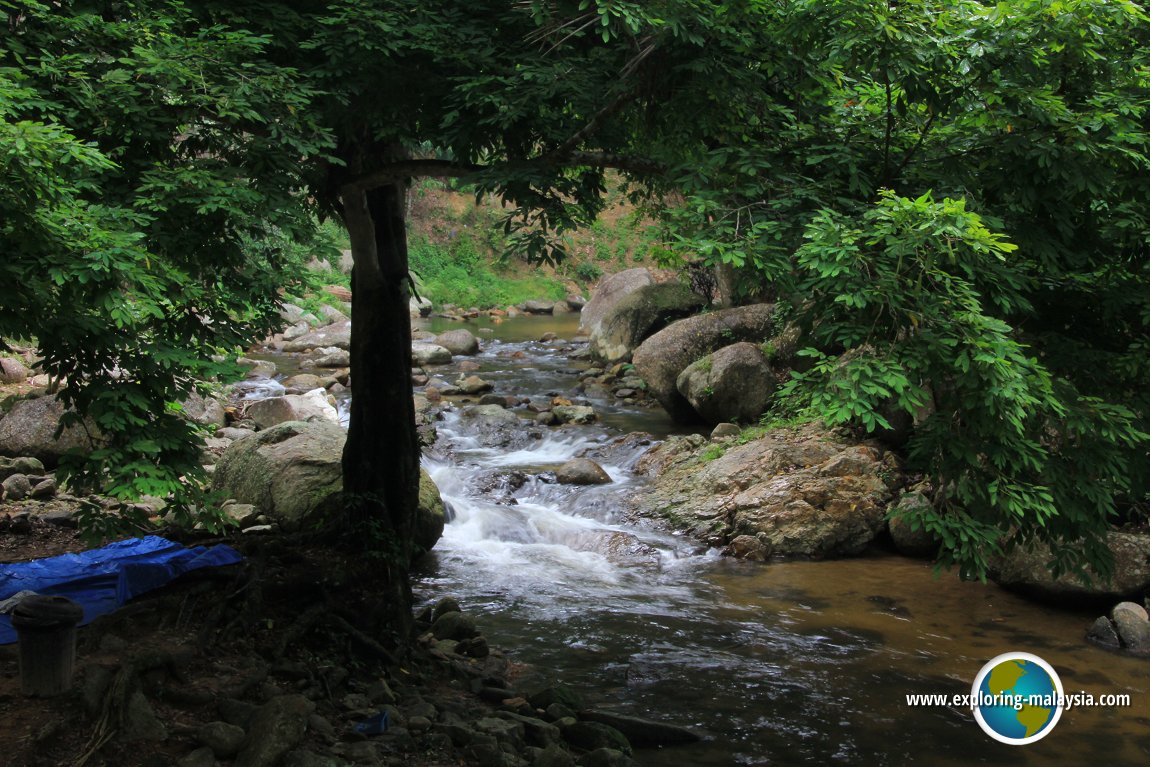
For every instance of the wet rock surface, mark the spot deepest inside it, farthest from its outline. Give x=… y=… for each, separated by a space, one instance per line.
x=791 y=492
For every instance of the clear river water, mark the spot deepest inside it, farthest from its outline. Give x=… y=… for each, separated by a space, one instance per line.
x=786 y=663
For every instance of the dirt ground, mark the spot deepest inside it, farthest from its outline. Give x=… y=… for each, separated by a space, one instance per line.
x=247 y=632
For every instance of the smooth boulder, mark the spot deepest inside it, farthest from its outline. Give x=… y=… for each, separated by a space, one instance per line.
x=432 y=516
x=12 y=371
x=286 y=471
x=311 y=406
x=637 y=316
x=661 y=358
x=735 y=383
x=1024 y=570
x=582 y=471
x=429 y=354
x=293 y=468
x=29 y=429
x=609 y=291
x=458 y=341
x=337 y=334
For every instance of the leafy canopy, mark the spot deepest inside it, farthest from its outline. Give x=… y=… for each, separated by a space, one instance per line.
x=1029 y=356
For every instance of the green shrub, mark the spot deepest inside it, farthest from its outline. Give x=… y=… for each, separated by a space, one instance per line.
x=914 y=291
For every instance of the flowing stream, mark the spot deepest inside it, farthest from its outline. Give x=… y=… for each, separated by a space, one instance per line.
x=783 y=663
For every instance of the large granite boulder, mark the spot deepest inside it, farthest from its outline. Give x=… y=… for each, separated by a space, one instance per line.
x=293 y=468
x=337 y=334
x=794 y=492
x=733 y=384
x=639 y=314
x=661 y=358
x=206 y=410
x=432 y=515
x=458 y=341
x=429 y=354
x=12 y=371
x=610 y=291
x=418 y=307
x=311 y=406
x=287 y=471
x=1025 y=570
x=29 y=429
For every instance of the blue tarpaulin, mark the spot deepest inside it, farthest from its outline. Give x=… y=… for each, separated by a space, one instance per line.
x=101 y=580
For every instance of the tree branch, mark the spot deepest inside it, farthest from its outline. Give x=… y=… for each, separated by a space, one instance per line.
x=435 y=168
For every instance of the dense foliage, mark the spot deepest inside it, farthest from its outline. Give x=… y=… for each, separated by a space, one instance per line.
x=148 y=211
x=1029 y=358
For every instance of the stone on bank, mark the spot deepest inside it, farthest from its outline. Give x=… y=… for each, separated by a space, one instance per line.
x=291 y=469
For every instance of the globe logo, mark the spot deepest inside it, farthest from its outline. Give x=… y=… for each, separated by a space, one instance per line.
x=1017 y=698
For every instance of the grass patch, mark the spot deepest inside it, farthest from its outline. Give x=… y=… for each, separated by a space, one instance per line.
x=456 y=273
x=712 y=452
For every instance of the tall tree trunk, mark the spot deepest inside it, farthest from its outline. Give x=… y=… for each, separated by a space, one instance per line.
x=381 y=457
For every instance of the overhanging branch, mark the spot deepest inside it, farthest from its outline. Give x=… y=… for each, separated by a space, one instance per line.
x=436 y=168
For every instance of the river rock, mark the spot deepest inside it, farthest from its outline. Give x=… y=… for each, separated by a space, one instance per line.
x=337 y=359
x=621 y=451
x=20 y=465
x=661 y=358
x=1024 y=570
x=474 y=385
x=593 y=735
x=1102 y=631
x=419 y=307
x=494 y=426
x=257 y=368
x=312 y=406
x=12 y=371
x=29 y=429
x=454 y=625
x=643 y=733
x=337 y=334
x=305 y=382
x=429 y=354
x=582 y=471
x=798 y=491
x=1131 y=624
x=45 y=489
x=605 y=757
x=909 y=541
x=225 y=740
x=639 y=314
x=459 y=342
x=610 y=291
x=432 y=516
x=291 y=313
x=206 y=410
x=16 y=487
x=725 y=431
x=538 y=307
x=574 y=414
x=276 y=728
x=733 y=384
x=331 y=314
x=292 y=468
x=617 y=547
x=286 y=471
x=298 y=330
